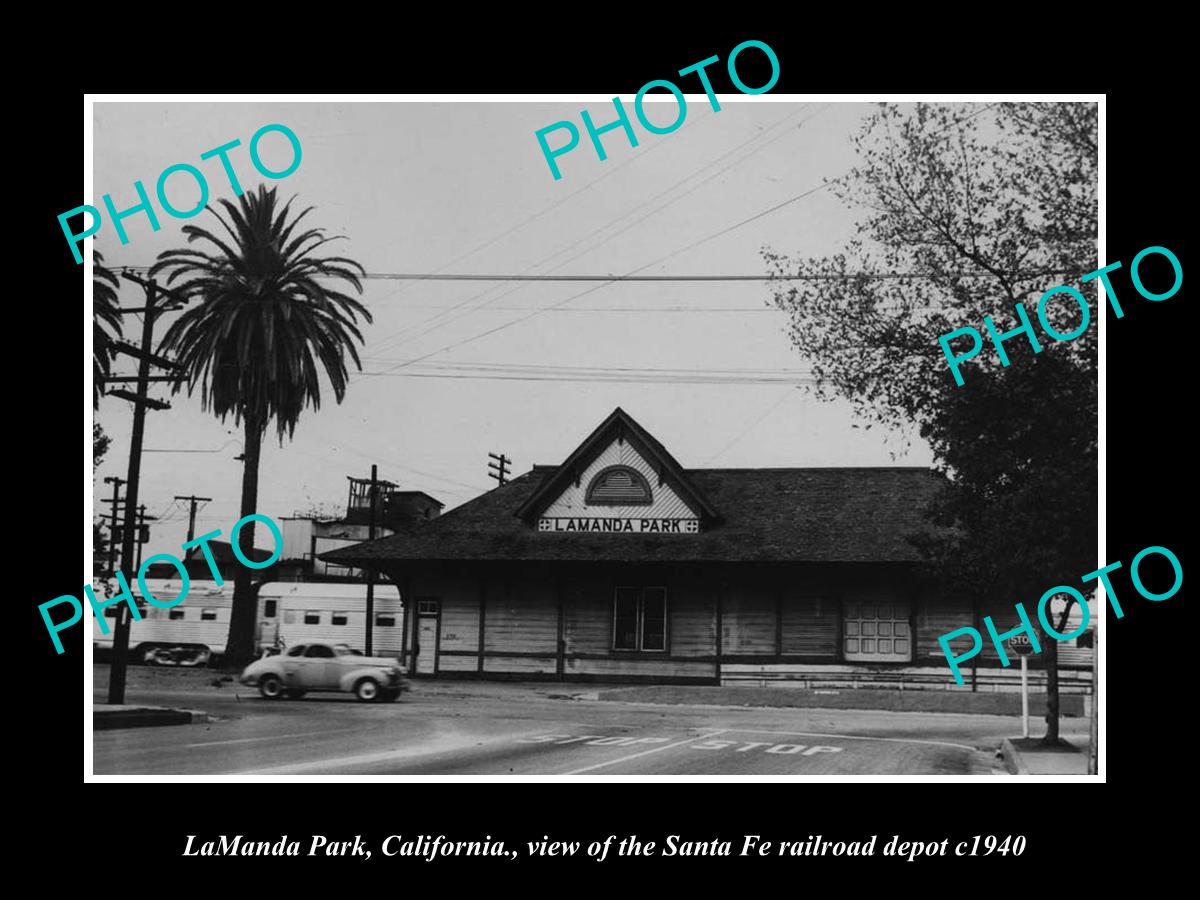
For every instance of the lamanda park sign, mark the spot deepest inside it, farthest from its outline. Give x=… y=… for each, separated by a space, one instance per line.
x=619 y=525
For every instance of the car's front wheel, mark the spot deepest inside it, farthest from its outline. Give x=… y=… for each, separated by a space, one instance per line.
x=367 y=690
x=270 y=687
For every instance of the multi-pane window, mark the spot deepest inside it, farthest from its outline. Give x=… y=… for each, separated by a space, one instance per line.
x=640 y=619
x=876 y=632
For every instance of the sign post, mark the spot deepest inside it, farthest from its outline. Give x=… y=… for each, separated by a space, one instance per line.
x=1020 y=644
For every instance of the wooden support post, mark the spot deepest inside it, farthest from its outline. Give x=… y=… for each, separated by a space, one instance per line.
x=560 y=665
x=720 y=628
x=482 y=620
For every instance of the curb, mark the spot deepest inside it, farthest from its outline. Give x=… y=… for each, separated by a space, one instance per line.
x=1013 y=763
x=884 y=700
x=144 y=717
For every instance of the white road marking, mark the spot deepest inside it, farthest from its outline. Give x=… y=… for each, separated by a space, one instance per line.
x=850 y=737
x=443 y=744
x=273 y=737
x=613 y=762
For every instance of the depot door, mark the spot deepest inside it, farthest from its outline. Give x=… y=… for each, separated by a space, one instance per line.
x=428 y=615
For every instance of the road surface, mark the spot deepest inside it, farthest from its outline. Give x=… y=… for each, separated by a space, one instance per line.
x=490 y=729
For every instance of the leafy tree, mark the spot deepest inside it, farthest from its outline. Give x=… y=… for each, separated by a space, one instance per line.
x=106 y=323
x=269 y=319
x=965 y=211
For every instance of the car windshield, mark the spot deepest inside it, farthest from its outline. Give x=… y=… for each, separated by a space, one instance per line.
x=346 y=650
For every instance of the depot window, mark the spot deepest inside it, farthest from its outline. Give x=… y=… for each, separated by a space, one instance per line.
x=640 y=619
x=876 y=632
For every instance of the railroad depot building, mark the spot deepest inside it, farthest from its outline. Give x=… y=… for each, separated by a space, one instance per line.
x=621 y=565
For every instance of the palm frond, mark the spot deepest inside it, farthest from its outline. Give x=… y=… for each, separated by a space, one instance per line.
x=269 y=324
x=106 y=322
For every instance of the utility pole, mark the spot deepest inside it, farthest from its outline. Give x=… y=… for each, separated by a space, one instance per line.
x=499 y=468
x=370 y=573
x=112 y=540
x=193 y=500
x=143 y=532
x=120 y=648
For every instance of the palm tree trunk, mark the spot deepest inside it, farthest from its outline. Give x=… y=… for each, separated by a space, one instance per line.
x=239 y=649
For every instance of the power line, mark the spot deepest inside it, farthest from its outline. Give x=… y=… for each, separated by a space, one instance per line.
x=596 y=379
x=745 y=431
x=544 y=367
x=433 y=276
x=790 y=200
x=448 y=277
x=723 y=231
x=612 y=222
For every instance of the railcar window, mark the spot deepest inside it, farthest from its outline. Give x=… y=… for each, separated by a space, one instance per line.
x=208 y=615
x=176 y=614
x=340 y=618
x=312 y=617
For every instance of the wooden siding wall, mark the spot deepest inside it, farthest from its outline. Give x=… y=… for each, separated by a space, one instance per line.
x=811 y=623
x=692 y=613
x=938 y=615
x=768 y=618
x=748 y=620
x=522 y=616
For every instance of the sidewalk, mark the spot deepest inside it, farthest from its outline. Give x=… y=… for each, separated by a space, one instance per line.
x=992 y=703
x=1027 y=756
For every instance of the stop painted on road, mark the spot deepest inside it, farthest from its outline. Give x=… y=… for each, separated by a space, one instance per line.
x=710 y=744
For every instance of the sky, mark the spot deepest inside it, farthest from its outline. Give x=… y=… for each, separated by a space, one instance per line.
x=455 y=370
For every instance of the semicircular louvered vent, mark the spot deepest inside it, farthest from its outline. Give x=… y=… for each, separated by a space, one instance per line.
x=619 y=486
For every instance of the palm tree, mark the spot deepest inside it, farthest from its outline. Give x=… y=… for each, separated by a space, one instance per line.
x=105 y=319
x=267 y=322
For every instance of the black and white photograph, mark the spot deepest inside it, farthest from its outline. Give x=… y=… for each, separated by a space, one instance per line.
x=687 y=436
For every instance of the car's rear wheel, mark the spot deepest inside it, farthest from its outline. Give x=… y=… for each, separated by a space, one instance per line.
x=270 y=687
x=367 y=690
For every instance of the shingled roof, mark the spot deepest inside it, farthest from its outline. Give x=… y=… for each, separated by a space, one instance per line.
x=768 y=515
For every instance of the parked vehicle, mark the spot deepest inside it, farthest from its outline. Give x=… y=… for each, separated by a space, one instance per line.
x=288 y=613
x=325 y=666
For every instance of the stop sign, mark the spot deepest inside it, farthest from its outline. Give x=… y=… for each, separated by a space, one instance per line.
x=1020 y=644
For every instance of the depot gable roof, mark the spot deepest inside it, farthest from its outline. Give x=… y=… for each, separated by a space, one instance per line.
x=767 y=515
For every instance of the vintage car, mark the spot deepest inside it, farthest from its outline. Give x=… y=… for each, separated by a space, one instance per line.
x=326 y=666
